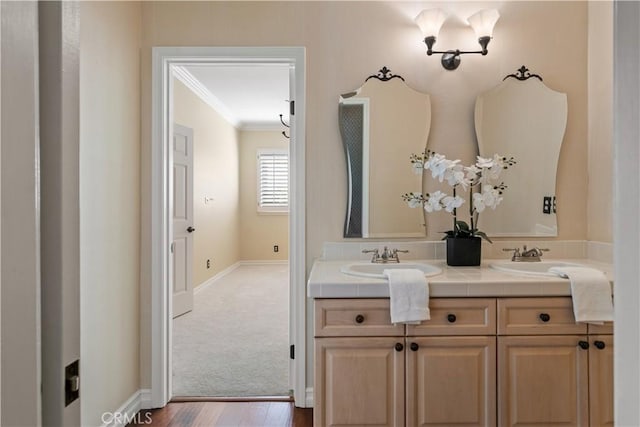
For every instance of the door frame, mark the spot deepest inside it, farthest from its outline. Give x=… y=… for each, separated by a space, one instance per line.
x=163 y=58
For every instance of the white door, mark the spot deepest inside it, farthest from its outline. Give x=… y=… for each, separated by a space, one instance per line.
x=183 y=229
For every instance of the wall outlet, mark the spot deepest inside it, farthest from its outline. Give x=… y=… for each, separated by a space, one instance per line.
x=208 y=263
x=546 y=205
x=275 y=248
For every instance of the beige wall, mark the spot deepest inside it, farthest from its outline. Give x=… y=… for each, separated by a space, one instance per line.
x=347 y=41
x=109 y=205
x=215 y=175
x=258 y=231
x=600 y=198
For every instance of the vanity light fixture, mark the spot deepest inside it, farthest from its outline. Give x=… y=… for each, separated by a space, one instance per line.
x=430 y=21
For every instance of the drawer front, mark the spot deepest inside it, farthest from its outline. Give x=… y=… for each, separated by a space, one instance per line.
x=458 y=316
x=606 y=329
x=537 y=316
x=354 y=317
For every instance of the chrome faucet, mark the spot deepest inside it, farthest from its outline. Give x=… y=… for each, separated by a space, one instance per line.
x=386 y=255
x=527 y=255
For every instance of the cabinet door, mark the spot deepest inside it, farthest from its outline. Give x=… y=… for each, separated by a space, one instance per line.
x=542 y=380
x=359 y=382
x=451 y=381
x=601 y=380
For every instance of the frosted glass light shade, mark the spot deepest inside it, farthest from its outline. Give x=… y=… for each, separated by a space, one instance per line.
x=430 y=21
x=483 y=22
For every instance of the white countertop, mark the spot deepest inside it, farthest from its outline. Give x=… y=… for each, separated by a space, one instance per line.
x=327 y=281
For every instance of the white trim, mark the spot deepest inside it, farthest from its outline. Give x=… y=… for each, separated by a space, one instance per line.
x=261 y=126
x=201 y=91
x=309 y=397
x=163 y=59
x=265 y=262
x=211 y=280
x=626 y=211
x=126 y=413
x=145 y=399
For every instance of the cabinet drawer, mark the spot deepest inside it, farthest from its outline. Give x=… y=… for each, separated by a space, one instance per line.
x=354 y=317
x=537 y=316
x=606 y=329
x=458 y=316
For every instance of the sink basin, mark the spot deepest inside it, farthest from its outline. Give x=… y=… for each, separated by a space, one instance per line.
x=375 y=270
x=531 y=268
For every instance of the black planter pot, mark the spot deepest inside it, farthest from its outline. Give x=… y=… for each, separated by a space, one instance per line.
x=463 y=251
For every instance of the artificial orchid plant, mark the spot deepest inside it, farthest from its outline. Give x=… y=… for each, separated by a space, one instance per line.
x=478 y=178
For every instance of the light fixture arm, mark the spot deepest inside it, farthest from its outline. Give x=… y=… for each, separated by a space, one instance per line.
x=451 y=58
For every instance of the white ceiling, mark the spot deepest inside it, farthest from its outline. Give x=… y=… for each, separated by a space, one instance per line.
x=250 y=96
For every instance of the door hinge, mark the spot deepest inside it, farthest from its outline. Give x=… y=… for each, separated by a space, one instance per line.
x=292 y=108
x=172 y=247
x=292 y=351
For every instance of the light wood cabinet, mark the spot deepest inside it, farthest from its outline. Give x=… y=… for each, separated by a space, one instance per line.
x=411 y=379
x=451 y=381
x=543 y=380
x=359 y=382
x=476 y=362
x=550 y=372
x=601 y=380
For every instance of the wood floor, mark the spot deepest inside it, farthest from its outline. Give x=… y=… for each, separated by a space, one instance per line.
x=226 y=414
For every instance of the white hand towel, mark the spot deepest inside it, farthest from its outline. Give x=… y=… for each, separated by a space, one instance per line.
x=591 y=294
x=409 y=293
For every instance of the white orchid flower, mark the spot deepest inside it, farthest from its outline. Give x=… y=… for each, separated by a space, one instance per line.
x=451 y=203
x=418 y=167
x=455 y=175
x=489 y=198
x=433 y=160
x=472 y=172
x=432 y=204
x=415 y=200
x=484 y=163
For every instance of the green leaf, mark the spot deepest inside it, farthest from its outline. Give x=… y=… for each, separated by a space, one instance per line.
x=483 y=235
x=462 y=226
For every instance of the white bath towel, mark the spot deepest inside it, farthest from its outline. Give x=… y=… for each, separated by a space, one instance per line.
x=591 y=294
x=409 y=293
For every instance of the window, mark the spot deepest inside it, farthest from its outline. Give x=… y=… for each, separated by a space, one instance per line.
x=273 y=180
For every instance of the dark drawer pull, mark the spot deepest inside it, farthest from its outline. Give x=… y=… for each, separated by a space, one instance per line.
x=399 y=346
x=414 y=346
x=544 y=317
x=451 y=318
x=599 y=344
x=583 y=345
x=359 y=318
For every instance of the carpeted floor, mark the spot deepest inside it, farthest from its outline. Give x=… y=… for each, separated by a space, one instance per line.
x=235 y=341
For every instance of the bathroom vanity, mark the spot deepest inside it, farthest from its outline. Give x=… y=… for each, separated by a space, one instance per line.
x=499 y=349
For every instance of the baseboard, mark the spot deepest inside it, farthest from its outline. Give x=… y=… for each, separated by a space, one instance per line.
x=202 y=286
x=309 y=397
x=265 y=262
x=128 y=412
x=145 y=399
x=210 y=281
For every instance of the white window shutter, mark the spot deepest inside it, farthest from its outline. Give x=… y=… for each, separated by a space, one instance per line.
x=273 y=180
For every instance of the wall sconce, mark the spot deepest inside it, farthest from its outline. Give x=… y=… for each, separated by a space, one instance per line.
x=430 y=21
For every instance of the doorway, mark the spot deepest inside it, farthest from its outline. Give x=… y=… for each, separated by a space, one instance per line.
x=164 y=58
x=230 y=230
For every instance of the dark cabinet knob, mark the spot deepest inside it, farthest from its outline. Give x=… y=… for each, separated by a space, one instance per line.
x=399 y=346
x=599 y=344
x=359 y=318
x=451 y=318
x=414 y=346
x=191 y=229
x=583 y=345
x=544 y=317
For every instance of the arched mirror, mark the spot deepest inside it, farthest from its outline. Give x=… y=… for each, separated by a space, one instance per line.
x=382 y=123
x=523 y=118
